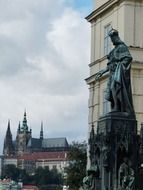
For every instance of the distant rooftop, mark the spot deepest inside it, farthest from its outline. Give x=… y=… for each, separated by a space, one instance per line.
x=44 y=155
x=54 y=142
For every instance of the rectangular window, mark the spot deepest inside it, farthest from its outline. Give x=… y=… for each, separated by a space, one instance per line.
x=107 y=41
x=106 y=104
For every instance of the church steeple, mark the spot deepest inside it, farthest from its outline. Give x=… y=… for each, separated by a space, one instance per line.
x=23 y=136
x=8 y=148
x=41 y=132
x=18 y=130
x=8 y=133
x=24 y=124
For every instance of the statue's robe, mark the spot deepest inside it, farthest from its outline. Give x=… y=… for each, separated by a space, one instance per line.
x=119 y=65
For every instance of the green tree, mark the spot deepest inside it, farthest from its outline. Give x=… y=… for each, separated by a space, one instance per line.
x=11 y=171
x=55 y=177
x=24 y=177
x=77 y=165
x=44 y=176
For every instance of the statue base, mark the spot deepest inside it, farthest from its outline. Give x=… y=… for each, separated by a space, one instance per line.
x=116 y=152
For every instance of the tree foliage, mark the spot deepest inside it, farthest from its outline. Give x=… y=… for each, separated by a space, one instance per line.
x=10 y=171
x=77 y=165
x=42 y=176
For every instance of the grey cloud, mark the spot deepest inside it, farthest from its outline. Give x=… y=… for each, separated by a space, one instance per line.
x=11 y=57
x=44 y=53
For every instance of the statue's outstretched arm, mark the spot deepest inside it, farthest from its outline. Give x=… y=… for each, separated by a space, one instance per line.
x=101 y=72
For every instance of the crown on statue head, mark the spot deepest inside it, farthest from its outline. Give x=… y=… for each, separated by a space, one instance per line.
x=113 y=32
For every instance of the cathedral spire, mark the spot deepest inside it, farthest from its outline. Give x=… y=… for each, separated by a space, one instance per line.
x=24 y=124
x=23 y=137
x=41 y=132
x=18 y=130
x=8 y=144
x=8 y=128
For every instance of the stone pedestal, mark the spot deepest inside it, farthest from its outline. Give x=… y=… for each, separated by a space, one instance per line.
x=115 y=148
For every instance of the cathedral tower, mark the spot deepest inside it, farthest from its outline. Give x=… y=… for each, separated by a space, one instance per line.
x=23 y=136
x=8 y=149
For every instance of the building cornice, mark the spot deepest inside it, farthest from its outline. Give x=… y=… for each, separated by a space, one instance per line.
x=101 y=9
x=97 y=61
x=135 y=48
x=92 y=78
x=105 y=57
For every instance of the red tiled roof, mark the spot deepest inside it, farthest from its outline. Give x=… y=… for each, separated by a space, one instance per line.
x=29 y=187
x=44 y=155
x=10 y=157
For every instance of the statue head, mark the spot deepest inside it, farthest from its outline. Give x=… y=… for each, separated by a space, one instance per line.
x=114 y=35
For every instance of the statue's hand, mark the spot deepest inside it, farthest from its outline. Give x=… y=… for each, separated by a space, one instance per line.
x=99 y=74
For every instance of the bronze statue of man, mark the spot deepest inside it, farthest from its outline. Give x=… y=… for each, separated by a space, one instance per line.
x=118 y=90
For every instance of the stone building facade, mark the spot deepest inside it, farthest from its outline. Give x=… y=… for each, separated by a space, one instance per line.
x=124 y=16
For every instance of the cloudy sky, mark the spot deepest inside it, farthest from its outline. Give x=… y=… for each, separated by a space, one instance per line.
x=44 y=57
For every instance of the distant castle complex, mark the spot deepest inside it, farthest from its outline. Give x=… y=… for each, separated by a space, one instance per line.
x=27 y=151
x=25 y=143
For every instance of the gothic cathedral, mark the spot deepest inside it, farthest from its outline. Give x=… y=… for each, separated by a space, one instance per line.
x=25 y=143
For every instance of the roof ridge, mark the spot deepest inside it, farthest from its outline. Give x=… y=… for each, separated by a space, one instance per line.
x=56 y=138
